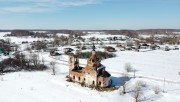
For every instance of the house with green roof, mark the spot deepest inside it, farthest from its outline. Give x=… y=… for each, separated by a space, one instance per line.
x=2 y=51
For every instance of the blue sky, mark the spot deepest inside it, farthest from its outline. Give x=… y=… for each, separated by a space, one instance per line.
x=89 y=14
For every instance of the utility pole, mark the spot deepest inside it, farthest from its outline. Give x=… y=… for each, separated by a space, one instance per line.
x=21 y=55
x=164 y=86
x=134 y=73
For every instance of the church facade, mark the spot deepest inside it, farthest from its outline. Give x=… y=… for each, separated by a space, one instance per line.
x=94 y=73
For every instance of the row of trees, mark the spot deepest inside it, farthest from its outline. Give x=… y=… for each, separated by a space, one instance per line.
x=39 y=45
x=23 y=62
x=20 y=33
x=129 y=33
x=170 y=40
x=62 y=40
x=102 y=55
x=42 y=33
x=57 y=41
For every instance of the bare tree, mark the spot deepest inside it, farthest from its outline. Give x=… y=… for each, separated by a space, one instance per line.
x=40 y=45
x=134 y=73
x=151 y=39
x=34 y=58
x=53 y=63
x=1 y=68
x=137 y=91
x=8 y=40
x=70 y=39
x=43 y=60
x=56 y=41
x=124 y=83
x=16 y=47
x=28 y=47
x=27 y=58
x=22 y=58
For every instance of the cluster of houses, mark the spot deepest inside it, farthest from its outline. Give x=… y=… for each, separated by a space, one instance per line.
x=96 y=40
x=122 y=43
x=127 y=46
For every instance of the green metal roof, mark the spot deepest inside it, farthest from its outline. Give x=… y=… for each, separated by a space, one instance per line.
x=2 y=50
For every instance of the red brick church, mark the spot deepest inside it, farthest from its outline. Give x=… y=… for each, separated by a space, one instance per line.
x=93 y=74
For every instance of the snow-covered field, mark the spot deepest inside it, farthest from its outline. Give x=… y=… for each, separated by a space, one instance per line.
x=19 y=40
x=152 y=67
x=97 y=35
x=158 y=63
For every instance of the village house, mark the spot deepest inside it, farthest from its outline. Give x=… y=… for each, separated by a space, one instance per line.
x=94 y=73
x=121 y=47
x=2 y=51
x=54 y=53
x=68 y=50
x=154 y=47
x=109 y=49
x=13 y=47
x=50 y=49
x=144 y=46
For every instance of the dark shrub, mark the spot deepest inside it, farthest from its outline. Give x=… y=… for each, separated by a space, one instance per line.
x=13 y=64
x=101 y=55
x=69 y=79
x=82 y=84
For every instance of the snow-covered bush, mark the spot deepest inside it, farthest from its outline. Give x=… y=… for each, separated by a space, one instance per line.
x=69 y=79
x=156 y=89
x=2 y=79
x=128 y=67
x=141 y=83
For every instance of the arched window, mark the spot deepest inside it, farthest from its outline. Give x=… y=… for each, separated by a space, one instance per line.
x=99 y=83
x=73 y=77
x=84 y=79
x=92 y=61
x=79 y=78
x=93 y=82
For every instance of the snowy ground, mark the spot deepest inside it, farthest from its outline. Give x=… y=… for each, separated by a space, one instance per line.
x=19 y=40
x=44 y=87
x=160 y=64
x=152 y=66
x=97 y=35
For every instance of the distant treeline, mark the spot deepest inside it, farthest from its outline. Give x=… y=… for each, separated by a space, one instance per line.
x=130 y=33
x=40 y=33
x=157 y=31
x=27 y=33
